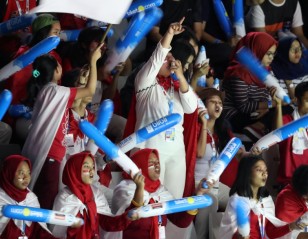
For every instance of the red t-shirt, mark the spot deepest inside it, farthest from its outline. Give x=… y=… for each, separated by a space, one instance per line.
x=58 y=148
x=288 y=160
x=270 y=230
x=71 y=21
x=12 y=9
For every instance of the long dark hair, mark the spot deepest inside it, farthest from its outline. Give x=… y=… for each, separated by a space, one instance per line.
x=242 y=184
x=79 y=52
x=182 y=50
x=300 y=180
x=222 y=127
x=43 y=72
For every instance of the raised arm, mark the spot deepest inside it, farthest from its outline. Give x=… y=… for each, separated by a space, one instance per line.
x=146 y=77
x=89 y=90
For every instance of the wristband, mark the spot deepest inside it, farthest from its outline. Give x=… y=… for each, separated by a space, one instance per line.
x=136 y=204
x=193 y=212
x=269 y=104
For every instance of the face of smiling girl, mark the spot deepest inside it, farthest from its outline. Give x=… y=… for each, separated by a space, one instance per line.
x=87 y=170
x=154 y=167
x=22 y=176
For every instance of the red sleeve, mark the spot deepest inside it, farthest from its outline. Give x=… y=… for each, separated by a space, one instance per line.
x=287 y=119
x=276 y=232
x=295 y=205
x=56 y=56
x=229 y=174
x=181 y=219
x=73 y=92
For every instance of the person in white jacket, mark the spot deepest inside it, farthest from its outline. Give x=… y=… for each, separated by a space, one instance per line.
x=83 y=200
x=15 y=177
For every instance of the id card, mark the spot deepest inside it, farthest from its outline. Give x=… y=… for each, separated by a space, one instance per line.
x=170 y=135
x=161 y=232
x=23 y=237
x=69 y=140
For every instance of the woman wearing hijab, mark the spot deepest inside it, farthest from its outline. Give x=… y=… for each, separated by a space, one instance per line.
x=247 y=100
x=157 y=95
x=149 y=228
x=15 y=177
x=290 y=65
x=83 y=200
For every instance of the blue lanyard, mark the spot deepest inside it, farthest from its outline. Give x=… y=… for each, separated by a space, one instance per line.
x=160 y=221
x=170 y=98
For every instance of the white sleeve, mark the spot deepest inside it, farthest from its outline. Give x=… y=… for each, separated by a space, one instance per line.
x=122 y=196
x=255 y=17
x=297 y=17
x=146 y=77
x=228 y=222
x=68 y=203
x=189 y=101
x=101 y=202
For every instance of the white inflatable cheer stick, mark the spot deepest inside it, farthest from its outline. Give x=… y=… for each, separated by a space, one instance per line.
x=223 y=18
x=281 y=133
x=201 y=59
x=16 y=23
x=201 y=106
x=103 y=118
x=172 y=206
x=247 y=59
x=223 y=160
x=138 y=27
x=5 y=101
x=111 y=150
x=29 y=56
x=149 y=131
x=40 y=215
x=238 y=18
x=142 y=5
x=242 y=218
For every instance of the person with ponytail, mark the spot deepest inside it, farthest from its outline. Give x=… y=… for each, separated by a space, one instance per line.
x=46 y=141
x=15 y=176
x=84 y=200
x=148 y=161
x=44 y=26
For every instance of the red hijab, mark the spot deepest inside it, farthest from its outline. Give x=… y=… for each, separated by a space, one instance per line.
x=258 y=43
x=141 y=159
x=7 y=174
x=72 y=178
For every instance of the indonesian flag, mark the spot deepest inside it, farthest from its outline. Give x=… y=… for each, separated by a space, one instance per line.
x=101 y=10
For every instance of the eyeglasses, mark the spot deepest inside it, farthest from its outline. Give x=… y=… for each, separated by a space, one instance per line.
x=270 y=54
x=296 y=50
